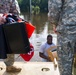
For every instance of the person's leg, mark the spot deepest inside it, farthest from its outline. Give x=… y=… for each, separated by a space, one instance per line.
x=9 y=64
x=65 y=55
x=9 y=61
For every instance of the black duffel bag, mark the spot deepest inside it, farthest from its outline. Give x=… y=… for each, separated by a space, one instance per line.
x=16 y=38
x=3 y=53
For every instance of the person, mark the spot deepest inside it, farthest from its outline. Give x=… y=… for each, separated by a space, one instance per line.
x=44 y=47
x=9 y=6
x=62 y=16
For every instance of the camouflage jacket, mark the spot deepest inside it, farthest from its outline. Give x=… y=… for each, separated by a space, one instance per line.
x=62 y=12
x=9 y=6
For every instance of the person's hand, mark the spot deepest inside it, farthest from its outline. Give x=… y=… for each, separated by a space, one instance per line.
x=54 y=29
x=2 y=19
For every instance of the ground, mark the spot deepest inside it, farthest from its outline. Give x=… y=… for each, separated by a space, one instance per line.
x=32 y=68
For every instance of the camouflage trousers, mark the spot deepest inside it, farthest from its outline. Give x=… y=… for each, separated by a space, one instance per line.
x=9 y=61
x=66 y=48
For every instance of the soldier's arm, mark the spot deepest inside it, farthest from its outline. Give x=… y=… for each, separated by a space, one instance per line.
x=14 y=7
x=54 y=7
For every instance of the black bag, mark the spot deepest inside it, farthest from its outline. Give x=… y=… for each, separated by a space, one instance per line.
x=3 y=53
x=16 y=38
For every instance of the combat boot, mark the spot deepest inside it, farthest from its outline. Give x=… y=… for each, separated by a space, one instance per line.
x=12 y=69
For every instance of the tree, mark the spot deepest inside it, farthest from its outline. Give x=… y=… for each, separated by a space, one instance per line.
x=39 y=4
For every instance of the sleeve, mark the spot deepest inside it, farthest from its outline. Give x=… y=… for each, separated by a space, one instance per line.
x=42 y=49
x=14 y=7
x=54 y=8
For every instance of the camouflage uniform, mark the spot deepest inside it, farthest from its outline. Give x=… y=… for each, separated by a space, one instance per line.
x=9 y=6
x=62 y=13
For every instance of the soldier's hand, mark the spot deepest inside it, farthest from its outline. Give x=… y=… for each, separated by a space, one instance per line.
x=54 y=29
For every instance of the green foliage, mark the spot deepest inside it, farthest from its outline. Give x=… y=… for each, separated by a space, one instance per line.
x=24 y=5
x=35 y=9
x=43 y=5
x=20 y=2
x=37 y=5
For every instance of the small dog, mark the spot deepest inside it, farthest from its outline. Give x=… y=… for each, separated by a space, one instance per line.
x=52 y=55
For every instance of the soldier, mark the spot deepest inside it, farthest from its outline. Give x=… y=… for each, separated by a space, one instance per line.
x=10 y=6
x=62 y=14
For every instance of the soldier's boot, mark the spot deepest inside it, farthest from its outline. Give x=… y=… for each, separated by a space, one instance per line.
x=12 y=69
